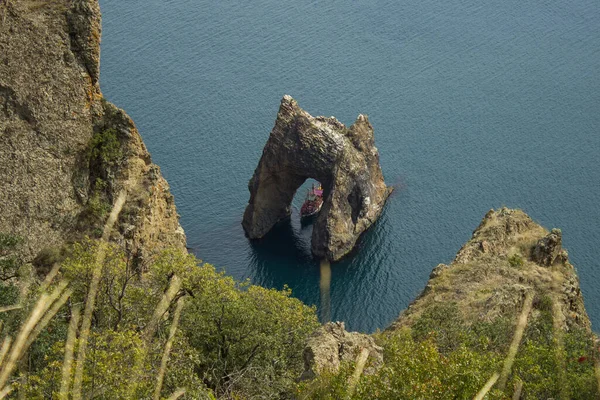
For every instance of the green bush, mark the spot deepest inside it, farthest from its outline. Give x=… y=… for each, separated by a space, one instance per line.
x=9 y=261
x=516 y=261
x=443 y=322
x=413 y=370
x=238 y=340
x=105 y=146
x=10 y=265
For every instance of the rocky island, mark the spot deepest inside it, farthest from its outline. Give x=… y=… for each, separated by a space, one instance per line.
x=344 y=160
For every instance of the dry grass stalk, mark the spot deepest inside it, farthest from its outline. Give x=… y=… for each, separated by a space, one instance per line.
x=4 y=349
x=167 y=350
x=487 y=387
x=516 y=342
x=518 y=390
x=177 y=394
x=65 y=382
x=87 y=321
x=4 y=392
x=10 y=308
x=92 y=293
x=161 y=308
x=150 y=329
x=51 y=275
x=558 y=319
x=361 y=360
x=20 y=344
x=48 y=316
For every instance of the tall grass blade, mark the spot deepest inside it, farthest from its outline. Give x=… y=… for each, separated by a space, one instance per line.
x=162 y=307
x=177 y=394
x=92 y=293
x=4 y=349
x=65 y=382
x=167 y=350
x=20 y=344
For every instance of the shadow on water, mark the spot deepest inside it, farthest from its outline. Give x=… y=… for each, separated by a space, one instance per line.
x=358 y=281
x=283 y=257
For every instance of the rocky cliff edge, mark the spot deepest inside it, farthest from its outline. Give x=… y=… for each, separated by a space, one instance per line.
x=65 y=152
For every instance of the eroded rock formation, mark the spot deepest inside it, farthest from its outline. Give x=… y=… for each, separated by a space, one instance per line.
x=345 y=161
x=331 y=345
x=508 y=257
x=65 y=152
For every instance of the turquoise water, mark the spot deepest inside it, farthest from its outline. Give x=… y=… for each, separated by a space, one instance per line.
x=475 y=105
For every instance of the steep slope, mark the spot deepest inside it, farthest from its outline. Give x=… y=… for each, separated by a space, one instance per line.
x=65 y=152
x=507 y=257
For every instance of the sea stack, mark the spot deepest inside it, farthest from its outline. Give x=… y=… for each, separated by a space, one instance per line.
x=344 y=160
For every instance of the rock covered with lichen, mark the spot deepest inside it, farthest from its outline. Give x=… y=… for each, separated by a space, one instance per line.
x=508 y=256
x=343 y=159
x=65 y=152
x=331 y=345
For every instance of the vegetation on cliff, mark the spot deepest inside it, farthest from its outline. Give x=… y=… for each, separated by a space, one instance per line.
x=445 y=357
x=117 y=321
x=231 y=340
x=509 y=306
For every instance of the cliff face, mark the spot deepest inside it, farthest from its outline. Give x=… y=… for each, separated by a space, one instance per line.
x=65 y=152
x=344 y=160
x=508 y=258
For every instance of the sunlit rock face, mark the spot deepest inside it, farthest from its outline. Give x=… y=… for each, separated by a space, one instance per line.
x=345 y=161
x=52 y=114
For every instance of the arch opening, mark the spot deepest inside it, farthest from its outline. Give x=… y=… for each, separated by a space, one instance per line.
x=343 y=160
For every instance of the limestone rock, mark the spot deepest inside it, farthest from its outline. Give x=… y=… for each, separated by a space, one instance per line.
x=508 y=256
x=344 y=160
x=548 y=249
x=331 y=345
x=85 y=29
x=50 y=109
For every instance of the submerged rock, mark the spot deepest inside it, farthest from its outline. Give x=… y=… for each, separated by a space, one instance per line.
x=345 y=161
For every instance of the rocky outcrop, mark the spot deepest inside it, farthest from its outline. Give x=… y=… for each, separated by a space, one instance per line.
x=344 y=160
x=508 y=256
x=65 y=152
x=549 y=249
x=332 y=345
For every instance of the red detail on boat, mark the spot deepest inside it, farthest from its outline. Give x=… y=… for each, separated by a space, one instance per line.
x=313 y=203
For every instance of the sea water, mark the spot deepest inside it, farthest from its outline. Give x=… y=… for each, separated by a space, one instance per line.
x=475 y=105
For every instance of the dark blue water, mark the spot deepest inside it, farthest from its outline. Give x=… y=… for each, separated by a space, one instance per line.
x=475 y=104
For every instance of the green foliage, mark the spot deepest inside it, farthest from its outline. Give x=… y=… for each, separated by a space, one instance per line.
x=239 y=340
x=97 y=207
x=516 y=261
x=443 y=322
x=9 y=262
x=105 y=146
x=413 y=370
x=537 y=364
x=441 y=357
x=10 y=266
x=245 y=334
x=494 y=336
x=8 y=242
x=46 y=258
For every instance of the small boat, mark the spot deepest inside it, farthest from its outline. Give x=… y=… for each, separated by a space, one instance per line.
x=313 y=203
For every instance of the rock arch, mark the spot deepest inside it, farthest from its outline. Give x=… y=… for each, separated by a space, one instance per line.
x=345 y=161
